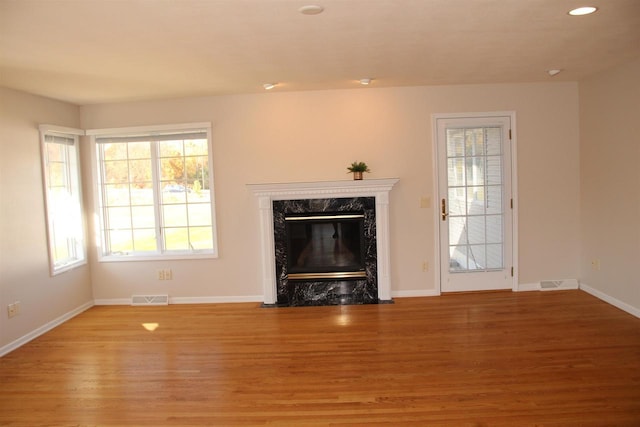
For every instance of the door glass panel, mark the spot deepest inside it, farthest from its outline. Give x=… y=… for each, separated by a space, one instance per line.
x=458 y=258
x=476 y=229
x=456 y=172
x=494 y=257
x=475 y=200
x=455 y=142
x=477 y=257
x=494 y=229
x=474 y=142
x=475 y=170
x=494 y=170
x=457 y=231
x=493 y=202
x=457 y=201
x=493 y=141
x=475 y=187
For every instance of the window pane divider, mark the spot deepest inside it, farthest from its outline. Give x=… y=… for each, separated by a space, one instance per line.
x=157 y=196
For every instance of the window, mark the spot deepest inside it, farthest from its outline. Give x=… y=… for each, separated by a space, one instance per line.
x=155 y=192
x=63 y=197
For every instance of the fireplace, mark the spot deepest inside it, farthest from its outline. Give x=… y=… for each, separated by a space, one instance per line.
x=325 y=243
x=325 y=251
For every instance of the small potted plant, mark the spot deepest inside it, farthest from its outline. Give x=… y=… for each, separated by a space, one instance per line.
x=358 y=168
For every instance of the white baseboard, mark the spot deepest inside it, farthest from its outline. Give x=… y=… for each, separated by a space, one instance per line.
x=417 y=293
x=187 y=300
x=527 y=287
x=215 y=300
x=113 y=301
x=611 y=300
x=44 y=328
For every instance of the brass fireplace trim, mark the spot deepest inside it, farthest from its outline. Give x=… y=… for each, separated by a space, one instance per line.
x=323 y=217
x=333 y=275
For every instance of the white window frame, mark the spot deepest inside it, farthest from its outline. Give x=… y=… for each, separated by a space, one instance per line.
x=96 y=176
x=74 y=181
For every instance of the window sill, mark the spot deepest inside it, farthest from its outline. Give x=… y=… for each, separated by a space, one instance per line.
x=67 y=267
x=157 y=257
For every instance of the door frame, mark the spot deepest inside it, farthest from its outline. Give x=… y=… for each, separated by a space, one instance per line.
x=436 y=189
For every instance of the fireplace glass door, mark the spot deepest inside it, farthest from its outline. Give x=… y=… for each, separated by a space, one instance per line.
x=325 y=246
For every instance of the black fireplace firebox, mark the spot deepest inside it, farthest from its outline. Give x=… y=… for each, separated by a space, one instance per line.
x=325 y=251
x=325 y=246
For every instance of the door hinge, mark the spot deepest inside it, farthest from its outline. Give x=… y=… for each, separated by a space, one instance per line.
x=511 y=271
x=509 y=134
x=511 y=203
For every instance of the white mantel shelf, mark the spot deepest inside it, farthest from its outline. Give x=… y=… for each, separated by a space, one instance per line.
x=378 y=188
x=322 y=189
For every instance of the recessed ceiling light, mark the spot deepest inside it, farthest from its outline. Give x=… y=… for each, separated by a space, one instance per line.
x=311 y=9
x=582 y=11
x=269 y=86
x=553 y=72
x=365 y=81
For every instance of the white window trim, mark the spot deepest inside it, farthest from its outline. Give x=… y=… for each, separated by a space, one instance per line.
x=46 y=129
x=146 y=130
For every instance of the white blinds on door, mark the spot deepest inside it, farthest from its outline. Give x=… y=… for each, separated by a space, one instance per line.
x=476 y=208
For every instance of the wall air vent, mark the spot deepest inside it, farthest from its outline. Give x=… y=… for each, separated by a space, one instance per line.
x=559 y=285
x=150 y=300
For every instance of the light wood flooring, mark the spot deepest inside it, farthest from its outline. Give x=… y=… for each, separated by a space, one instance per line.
x=482 y=359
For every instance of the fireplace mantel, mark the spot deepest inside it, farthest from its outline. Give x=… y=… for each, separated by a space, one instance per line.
x=378 y=188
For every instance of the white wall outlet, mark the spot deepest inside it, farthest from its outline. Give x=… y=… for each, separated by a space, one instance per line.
x=161 y=275
x=13 y=309
x=168 y=274
x=425 y=266
x=595 y=264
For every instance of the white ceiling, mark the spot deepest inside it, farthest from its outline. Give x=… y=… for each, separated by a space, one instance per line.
x=97 y=51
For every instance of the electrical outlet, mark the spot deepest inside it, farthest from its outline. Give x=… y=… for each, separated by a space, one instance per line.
x=12 y=310
x=425 y=266
x=161 y=275
x=595 y=265
x=168 y=274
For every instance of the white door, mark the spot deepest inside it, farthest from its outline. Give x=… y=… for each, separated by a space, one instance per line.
x=475 y=206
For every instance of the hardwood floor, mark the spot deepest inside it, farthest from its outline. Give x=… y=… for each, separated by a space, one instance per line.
x=484 y=359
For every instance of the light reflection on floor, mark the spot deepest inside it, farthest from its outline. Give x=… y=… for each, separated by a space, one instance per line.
x=150 y=326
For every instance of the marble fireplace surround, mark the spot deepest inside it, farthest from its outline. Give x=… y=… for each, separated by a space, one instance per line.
x=267 y=193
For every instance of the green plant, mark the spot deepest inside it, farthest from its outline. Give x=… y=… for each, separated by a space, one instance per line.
x=358 y=167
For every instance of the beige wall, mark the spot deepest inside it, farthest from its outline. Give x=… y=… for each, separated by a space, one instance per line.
x=24 y=265
x=578 y=196
x=312 y=136
x=610 y=182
